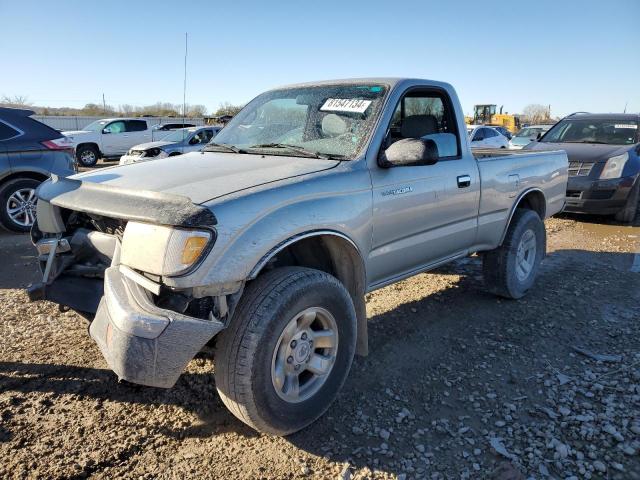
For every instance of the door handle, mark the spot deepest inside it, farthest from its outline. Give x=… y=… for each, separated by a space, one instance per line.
x=464 y=181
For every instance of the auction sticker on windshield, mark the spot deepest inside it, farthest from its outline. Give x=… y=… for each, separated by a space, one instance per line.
x=352 y=105
x=630 y=125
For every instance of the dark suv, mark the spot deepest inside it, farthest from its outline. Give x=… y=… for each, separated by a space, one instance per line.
x=30 y=152
x=604 y=162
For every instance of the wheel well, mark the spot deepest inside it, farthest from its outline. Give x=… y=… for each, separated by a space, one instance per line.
x=41 y=177
x=534 y=200
x=89 y=144
x=338 y=257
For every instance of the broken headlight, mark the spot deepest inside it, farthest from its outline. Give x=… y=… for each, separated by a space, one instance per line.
x=155 y=152
x=162 y=250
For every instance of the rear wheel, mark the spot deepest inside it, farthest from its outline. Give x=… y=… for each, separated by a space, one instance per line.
x=18 y=204
x=87 y=155
x=630 y=210
x=511 y=269
x=287 y=351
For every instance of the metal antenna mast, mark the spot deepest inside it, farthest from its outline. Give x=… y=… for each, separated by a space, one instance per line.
x=184 y=86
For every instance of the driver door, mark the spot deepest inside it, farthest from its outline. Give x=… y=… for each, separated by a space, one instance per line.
x=423 y=214
x=115 y=138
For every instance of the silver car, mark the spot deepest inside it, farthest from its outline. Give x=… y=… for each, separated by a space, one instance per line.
x=177 y=142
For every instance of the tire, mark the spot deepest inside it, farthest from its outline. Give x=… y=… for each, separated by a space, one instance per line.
x=249 y=350
x=18 y=194
x=501 y=271
x=87 y=155
x=630 y=210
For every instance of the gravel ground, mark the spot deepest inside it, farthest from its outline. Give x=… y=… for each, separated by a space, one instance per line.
x=458 y=384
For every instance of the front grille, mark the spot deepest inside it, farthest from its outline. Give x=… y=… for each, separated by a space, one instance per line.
x=579 y=169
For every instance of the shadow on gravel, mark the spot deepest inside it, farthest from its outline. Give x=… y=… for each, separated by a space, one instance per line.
x=193 y=392
x=18 y=266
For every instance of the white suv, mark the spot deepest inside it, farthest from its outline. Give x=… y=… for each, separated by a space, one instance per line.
x=111 y=137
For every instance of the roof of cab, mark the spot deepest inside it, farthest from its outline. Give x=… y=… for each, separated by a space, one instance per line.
x=390 y=81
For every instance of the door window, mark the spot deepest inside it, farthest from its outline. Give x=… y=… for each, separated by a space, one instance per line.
x=136 y=125
x=490 y=133
x=479 y=135
x=203 y=136
x=115 y=127
x=429 y=115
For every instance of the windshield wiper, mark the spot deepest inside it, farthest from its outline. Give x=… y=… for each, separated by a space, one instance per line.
x=211 y=146
x=294 y=148
x=586 y=141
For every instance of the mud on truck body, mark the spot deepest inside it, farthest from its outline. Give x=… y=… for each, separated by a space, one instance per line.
x=268 y=240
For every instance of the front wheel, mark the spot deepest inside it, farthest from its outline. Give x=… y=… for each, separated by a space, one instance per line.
x=18 y=204
x=630 y=210
x=511 y=269
x=288 y=349
x=87 y=155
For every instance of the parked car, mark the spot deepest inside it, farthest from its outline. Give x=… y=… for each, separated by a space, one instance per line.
x=30 y=152
x=527 y=135
x=503 y=131
x=273 y=246
x=158 y=132
x=604 y=162
x=111 y=137
x=486 y=137
x=175 y=143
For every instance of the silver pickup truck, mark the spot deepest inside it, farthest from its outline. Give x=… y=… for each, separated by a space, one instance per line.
x=268 y=240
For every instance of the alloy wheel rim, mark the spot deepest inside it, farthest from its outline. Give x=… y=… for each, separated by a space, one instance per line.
x=304 y=355
x=87 y=156
x=526 y=255
x=21 y=206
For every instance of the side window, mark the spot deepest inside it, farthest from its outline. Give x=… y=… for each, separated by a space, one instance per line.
x=207 y=135
x=115 y=127
x=429 y=115
x=136 y=125
x=7 y=132
x=479 y=135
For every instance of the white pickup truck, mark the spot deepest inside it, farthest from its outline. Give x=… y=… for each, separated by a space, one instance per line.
x=110 y=137
x=268 y=240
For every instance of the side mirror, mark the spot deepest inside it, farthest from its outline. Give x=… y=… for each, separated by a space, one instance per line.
x=106 y=131
x=194 y=141
x=409 y=152
x=475 y=139
x=539 y=136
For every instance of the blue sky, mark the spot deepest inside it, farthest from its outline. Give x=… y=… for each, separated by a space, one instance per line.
x=574 y=55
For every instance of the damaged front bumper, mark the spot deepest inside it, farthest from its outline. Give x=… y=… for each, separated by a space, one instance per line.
x=141 y=342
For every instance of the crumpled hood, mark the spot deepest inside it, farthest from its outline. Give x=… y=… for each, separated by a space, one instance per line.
x=582 y=152
x=148 y=145
x=203 y=176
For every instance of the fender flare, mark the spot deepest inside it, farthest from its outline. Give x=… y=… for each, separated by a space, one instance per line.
x=515 y=206
x=290 y=241
x=354 y=283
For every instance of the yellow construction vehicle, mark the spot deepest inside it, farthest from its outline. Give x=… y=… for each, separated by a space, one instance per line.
x=486 y=115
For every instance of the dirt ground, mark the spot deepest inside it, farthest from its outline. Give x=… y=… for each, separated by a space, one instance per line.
x=458 y=384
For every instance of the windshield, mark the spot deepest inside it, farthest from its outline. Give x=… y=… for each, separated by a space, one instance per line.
x=529 y=132
x=177 y=135
x=610 y=132
x=96 y=126
x=329 y=120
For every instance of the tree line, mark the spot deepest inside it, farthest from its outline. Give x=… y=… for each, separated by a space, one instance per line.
x=158 y=109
